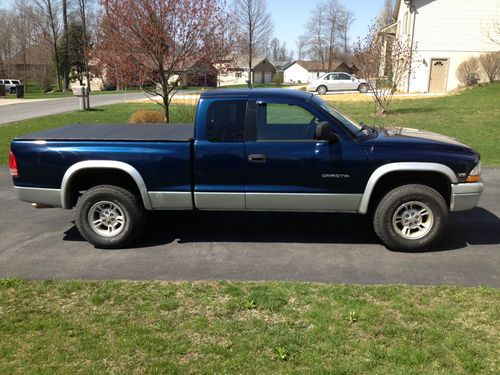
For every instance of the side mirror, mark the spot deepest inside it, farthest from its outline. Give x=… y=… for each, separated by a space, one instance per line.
x=324 y=133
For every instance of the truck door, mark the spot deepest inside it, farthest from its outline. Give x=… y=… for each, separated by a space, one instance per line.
x=288 y=169
x=219 y=154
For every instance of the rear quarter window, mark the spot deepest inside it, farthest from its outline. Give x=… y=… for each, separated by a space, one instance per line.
x=226 y=121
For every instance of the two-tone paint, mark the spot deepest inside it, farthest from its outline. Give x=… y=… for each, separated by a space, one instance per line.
x=306 y=175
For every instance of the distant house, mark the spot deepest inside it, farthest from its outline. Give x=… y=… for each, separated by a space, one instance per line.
x=301 y=71
x=237 y=71
x=444 y=33
x=264 y=71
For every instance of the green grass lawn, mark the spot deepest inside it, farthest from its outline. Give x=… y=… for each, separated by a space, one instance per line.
x=249 y=328
x=34 y=93
x=472 y=116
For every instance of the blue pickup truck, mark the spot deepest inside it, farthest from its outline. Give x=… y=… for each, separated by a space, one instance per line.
x=250 y=150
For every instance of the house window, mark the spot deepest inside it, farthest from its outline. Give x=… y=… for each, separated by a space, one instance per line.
x=238 y=74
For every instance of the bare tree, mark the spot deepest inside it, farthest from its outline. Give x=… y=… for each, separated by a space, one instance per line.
x=369 y=57
x=255 y=26
x=490 y=62
x=316 y=27
x=65 y=62
x=327 y=32
x=278 y=51
x=345 y=23
x=82 y=8
x=302 y=47
x=6 y=39
x=332 y=10
x=386 y=14
x=47 y=16
x=23 y=32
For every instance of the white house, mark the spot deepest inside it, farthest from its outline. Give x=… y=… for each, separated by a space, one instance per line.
x=301 y=71
x=444 y=33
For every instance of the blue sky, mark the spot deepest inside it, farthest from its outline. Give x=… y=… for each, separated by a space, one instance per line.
x=290 y=16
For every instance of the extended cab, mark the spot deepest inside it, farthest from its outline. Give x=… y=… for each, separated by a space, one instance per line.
x=255 y=150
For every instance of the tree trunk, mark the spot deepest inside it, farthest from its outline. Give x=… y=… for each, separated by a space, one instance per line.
x=66 y=53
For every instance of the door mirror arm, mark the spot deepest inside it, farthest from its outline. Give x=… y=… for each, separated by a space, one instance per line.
x=324 y=133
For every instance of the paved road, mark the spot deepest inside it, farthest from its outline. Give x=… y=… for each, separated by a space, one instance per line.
x=23 y=111
x=37 y=108
x=40 y=244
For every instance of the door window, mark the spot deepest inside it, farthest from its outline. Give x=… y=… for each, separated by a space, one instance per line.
x=226 y=121
x=344 y=76
x=284 y=122
x=331 y=77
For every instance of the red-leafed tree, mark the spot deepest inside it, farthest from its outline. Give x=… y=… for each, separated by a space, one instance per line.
x=156 y=43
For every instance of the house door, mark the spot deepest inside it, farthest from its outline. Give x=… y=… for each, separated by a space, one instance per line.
x=439 y=75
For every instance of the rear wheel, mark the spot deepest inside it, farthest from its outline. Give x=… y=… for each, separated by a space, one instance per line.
x=322 y=90
x=411 y=218
x=363 y=88
x=109 y=216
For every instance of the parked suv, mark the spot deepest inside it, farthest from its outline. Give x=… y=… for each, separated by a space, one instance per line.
x=337 y=81
x=10 y=84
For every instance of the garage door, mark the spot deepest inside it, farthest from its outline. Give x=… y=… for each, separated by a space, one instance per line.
x=268 y=77
x=257 y=77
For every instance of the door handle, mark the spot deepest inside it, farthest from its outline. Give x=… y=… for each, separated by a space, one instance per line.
x=257 y=158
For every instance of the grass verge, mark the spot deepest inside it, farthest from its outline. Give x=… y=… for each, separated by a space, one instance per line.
x=473 y=117
x=36 y=94
x=249 y=328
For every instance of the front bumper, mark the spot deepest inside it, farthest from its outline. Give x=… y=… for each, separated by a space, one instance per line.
x=465 y=196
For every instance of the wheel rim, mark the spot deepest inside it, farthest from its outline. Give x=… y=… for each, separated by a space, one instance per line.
x=321 y=90
x=106 y=219
x=413 y=220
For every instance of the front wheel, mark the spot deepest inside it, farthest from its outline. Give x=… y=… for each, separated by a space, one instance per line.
x=411 y=218
x=109 y=216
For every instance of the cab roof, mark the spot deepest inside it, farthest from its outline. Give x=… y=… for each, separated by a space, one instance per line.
x=258 y=93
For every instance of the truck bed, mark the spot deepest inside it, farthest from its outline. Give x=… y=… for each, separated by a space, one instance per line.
x=115 y=132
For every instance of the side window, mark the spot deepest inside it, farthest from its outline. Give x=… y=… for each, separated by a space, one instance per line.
x=226 y=121
x=331 y=77
x=344 y=76
x=284 y=122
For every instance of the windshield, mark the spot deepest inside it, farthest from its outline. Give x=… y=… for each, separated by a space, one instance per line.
x=351 y=125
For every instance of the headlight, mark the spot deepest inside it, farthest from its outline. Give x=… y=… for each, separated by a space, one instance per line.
x=475 y=174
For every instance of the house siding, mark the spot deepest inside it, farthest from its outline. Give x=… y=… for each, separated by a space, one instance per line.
x=295 y=73
x=450 y=29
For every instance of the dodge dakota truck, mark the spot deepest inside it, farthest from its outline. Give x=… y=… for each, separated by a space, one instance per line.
x=250 y=150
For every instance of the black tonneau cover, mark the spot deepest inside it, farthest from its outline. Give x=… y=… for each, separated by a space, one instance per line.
x=116 y=132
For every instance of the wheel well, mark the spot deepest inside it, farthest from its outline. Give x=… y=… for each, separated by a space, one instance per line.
x=87 y=178
x=389 y=181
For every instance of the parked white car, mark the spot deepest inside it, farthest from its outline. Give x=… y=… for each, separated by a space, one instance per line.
x=337 y=81
x=10 y=84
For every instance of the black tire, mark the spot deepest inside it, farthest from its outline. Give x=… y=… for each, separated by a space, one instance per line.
x=390 y=214
x=363 y=88
x=130 y=207
x=322 y=90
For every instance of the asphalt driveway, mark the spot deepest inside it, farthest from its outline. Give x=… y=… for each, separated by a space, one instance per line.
x=41 y=244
